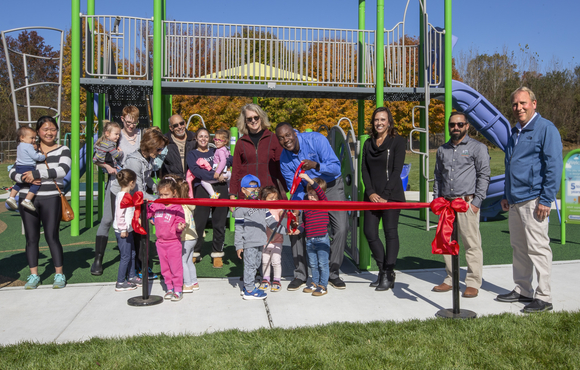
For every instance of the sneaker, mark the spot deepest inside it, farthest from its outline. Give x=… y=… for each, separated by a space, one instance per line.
x=276 y=286
x=152 y=275
x=28 y=205
x=320 y=291
x=215 y=196
x=296 y=284
x=254 y=294
x=168 y=295
x=190 y=288
x=59 y=281
x=11 y=202
x=177 y=296
x=136 y=280
x=126 y=285
x=337 y=283
x=32 y=282
x=310 y=288
x=264 y=285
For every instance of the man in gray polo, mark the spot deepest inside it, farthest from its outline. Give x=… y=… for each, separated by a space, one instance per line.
x=462 y=171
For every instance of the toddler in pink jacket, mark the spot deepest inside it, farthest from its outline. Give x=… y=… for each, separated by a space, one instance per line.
x=169 y=223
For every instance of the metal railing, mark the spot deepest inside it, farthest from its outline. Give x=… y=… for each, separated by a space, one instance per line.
x=120 y=46
x=27 y=84
x=253 y=53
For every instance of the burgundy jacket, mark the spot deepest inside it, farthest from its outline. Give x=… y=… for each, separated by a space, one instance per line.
x=263 y=162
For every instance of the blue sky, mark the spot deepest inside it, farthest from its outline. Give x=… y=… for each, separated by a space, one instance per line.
x=486 y=26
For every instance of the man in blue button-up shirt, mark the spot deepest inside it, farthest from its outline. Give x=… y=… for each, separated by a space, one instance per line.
x=533 y=170
x=314 y=151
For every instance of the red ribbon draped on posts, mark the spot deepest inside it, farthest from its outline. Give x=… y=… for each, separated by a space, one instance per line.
x=442 y=244
x=135 y=201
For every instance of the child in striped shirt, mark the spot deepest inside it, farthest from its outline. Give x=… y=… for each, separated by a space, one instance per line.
x=317 y=239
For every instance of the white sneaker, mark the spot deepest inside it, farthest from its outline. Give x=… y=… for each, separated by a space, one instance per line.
x=28 y=205
x=11 y=202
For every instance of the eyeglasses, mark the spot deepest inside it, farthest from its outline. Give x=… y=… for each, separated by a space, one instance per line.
x=458 y=124
x=219 y=140
x=176 y=125
x=254 y=118
x=159 y=150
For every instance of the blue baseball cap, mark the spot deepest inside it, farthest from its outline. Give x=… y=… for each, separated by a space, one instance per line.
x=246 y=180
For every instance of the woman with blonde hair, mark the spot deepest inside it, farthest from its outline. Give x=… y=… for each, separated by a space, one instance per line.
x=257 y=152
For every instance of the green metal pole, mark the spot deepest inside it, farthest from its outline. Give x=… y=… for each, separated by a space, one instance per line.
x=75 y=112
x=363 y=246
x=167 y=100
x=380 y=51
x=448 y=68
x=423 y=122
x=101 y=175
x=255 y=100
x=233 y=141
x=89 y=175
x=157 y=61
x=361 y=65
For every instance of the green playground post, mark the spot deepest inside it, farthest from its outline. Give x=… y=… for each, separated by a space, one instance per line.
x=90 y=118
x=101 y=111
x=167 y=99
x=423 y=186
x=157 y=62
x=233 y=141
x=75 y=113
x=380 y=51
x=255 y=100
x=361 y=65
x=448 y=68
x=364 y=251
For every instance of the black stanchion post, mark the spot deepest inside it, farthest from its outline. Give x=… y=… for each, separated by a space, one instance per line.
x=145 y=299
x=456 y=312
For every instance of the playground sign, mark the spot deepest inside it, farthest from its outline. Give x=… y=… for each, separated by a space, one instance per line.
x=570 y=191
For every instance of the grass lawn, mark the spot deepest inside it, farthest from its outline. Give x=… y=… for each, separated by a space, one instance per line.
x=507 y=341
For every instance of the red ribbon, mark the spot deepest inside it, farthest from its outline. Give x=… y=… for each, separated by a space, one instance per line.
x=442 y=244
x=330 y=205
x=135 y=201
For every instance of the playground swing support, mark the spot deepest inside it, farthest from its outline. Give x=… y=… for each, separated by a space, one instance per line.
x=371 y=75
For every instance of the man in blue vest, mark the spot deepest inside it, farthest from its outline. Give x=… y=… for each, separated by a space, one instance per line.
x=533 y=170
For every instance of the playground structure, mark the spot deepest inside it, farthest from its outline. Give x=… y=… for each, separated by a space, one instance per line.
x=158 y=58
x=144 y=61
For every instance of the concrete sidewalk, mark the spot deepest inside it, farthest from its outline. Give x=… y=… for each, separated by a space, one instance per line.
x=83 y=311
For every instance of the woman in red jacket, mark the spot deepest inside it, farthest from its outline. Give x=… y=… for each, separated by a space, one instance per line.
x=257 y=152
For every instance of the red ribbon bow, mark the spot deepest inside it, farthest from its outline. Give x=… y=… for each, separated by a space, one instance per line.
x=135 y=201
x=442 y=244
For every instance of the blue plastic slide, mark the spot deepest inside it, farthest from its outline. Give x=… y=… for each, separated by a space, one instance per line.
x=494 y=126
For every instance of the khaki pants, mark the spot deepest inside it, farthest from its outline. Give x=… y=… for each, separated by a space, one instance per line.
x=531 y=244
x=468 y=229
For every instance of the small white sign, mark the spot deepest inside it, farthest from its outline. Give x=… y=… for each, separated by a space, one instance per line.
x=573 y=188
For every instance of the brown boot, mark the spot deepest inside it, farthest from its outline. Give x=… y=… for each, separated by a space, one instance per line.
x=218 y=263
x=442 y=288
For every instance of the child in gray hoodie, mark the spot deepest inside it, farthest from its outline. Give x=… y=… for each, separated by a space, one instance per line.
x=250 y=236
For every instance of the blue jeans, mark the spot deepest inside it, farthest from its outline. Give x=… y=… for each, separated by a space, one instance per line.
x=22 y=169
x=318 y=250
x=127 y=251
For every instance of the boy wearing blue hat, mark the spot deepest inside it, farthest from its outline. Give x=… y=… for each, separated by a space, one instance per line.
x=250 y=236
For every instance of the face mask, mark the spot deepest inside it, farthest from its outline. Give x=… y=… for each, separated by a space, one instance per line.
x=158 y=161
x=253 y=195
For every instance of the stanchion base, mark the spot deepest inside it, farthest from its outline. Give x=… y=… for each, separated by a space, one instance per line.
x=447 y=313
x=139 y=301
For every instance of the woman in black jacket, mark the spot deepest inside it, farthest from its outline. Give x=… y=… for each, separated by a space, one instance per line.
x=383 y=157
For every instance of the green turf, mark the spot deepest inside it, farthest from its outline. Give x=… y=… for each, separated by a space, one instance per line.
x=507 y=341
x=415 y=250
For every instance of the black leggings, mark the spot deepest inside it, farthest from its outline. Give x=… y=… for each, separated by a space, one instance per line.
x=48 y=211
x=371 y=228
x=219 y=216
